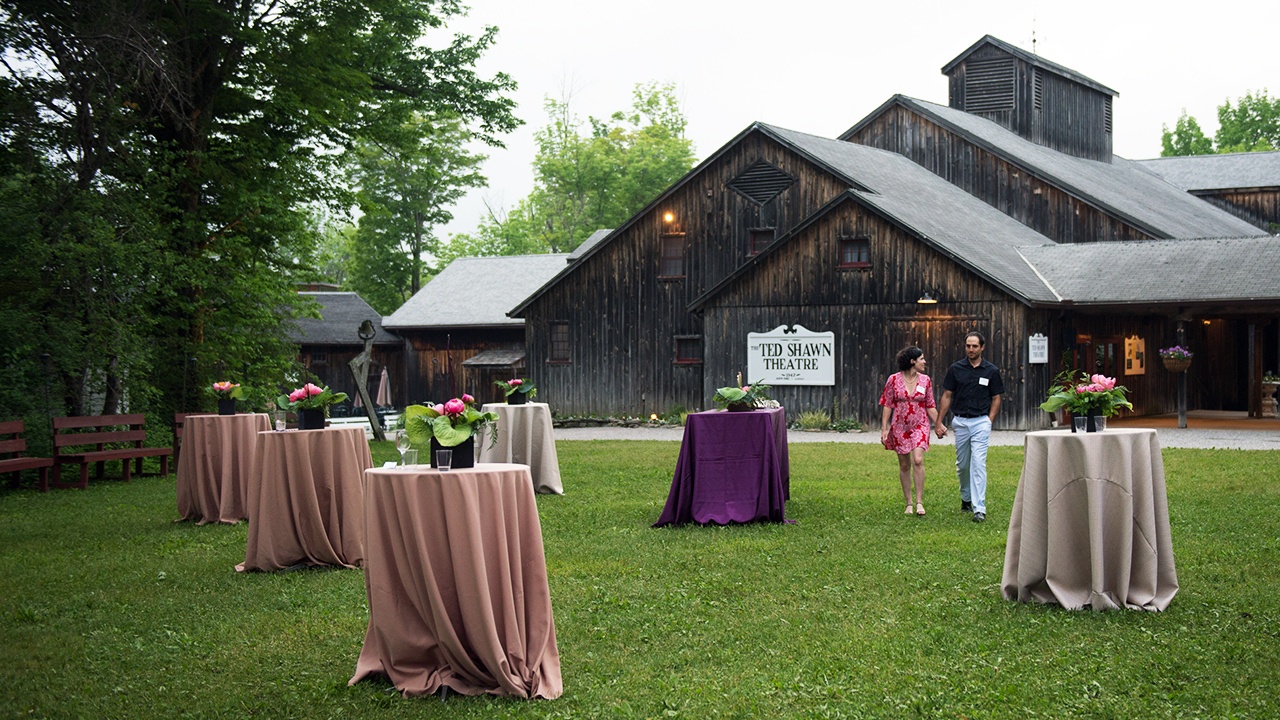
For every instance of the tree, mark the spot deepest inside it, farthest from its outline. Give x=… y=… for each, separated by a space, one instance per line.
x=1252 y=125
x=405 y=187
x=1186 y=139
x=591 y=178
x=160 y=160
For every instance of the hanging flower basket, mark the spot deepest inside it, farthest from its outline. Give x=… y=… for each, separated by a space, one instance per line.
x=1176 y=364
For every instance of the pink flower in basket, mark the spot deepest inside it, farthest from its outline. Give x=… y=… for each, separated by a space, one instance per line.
x=454 y=407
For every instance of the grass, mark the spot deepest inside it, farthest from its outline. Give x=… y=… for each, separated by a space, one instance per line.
x=109 y=609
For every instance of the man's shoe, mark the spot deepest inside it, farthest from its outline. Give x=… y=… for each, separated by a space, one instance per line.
x=966 y=506
x=979 y=516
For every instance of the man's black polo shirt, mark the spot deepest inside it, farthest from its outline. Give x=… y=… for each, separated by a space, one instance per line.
x=970 y=398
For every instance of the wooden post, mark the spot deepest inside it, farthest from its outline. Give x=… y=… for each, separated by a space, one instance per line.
x=1182 y=377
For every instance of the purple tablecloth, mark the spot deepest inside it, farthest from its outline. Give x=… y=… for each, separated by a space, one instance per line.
x=733 y=467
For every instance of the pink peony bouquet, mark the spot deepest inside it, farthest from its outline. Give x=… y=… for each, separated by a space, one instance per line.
x=450 y=423
x=1087 y=395
x=517 y=385
x=227 y=390
x=310 y=397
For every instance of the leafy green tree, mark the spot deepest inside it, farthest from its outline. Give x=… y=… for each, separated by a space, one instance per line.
x=406 y=186
x=161 y=161
x=1252 y=125
x=593 y=176
x=1186 y=138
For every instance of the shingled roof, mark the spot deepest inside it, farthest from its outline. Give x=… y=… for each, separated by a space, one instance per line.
x=477 y=292
x=1162 y=271
x=1032 y=58
x=956 y=223
x=1229 y=171
x=341 y=315
x=1121 y=187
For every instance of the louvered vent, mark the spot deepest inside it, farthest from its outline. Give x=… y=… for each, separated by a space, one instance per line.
x=1106 y=116
x=1038 y=89
x=761 y=182
x=988 y=85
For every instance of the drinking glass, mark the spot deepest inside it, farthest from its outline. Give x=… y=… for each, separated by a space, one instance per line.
x=402 y=443
x=277 y=415
x=444 y=459
x=410 y=457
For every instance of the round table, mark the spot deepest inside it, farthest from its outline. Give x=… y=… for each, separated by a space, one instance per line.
x=525 y=436
x=219 y=455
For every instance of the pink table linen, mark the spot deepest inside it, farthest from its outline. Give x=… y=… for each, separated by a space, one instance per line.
x=1090 y=523
x=306 y=502
x=525 y=437
x=457 y=583
x=218 y=458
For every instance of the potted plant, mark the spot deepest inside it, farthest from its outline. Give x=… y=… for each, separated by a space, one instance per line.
x=311 y=403
x=1176 y=359
x=1270 y=381
x=739 y=399
x=453 y=424
x=518 y=390
x=227 y=393
x=1091 y=398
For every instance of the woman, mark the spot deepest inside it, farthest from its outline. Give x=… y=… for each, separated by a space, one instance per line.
x=908 y=398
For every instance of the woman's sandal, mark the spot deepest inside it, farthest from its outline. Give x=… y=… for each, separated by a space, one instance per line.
x=910 y=510
x=920 y=509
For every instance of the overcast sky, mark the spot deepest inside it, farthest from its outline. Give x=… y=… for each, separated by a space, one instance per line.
x=819 y=67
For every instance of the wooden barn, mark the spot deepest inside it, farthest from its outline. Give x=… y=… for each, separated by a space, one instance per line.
x=1245 y=184
x=922 y=222
x=458 y=335
x=326 y=346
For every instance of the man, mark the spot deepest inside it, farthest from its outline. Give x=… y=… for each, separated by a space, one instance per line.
x=974 y=386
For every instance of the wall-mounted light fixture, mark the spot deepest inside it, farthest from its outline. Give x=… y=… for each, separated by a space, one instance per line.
x=668 y=217
x=928 y=298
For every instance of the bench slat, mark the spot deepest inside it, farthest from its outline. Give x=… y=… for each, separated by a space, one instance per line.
x=24 y=463
x=83 y=421
x=14 y=445
x=94 y=438
x=11 y=427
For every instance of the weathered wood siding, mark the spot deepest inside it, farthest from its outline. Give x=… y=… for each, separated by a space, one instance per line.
x=623 y=319
x=1044 y=107
x=335 y=372
x=1260 y=206
x=1013 y=190
x=874 y=314
x=433 y=365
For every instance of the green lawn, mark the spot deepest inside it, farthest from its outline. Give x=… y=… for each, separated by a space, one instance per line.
x=109 y=609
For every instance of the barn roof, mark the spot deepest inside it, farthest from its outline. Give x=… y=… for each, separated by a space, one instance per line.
x=1121 y=187
x=1229 y=171
x=1032 y=58
x=593 y=240
x=341 y=314
x=477 y=292
x=954 y=222
x=1162 y=271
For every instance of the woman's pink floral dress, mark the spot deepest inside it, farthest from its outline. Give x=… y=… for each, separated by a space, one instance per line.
x=909 y=428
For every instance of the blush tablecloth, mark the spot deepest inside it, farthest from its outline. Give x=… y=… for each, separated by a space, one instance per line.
x=219 y=455
x=1090 y=523
x=457 y=583
x=733 y=467
x=525 y=437
x=306 y=502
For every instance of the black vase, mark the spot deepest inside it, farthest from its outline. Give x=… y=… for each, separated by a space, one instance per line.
x=517 y=398
x=311 y=419
x=740 y=407
x=226 y=406
x=464 y=453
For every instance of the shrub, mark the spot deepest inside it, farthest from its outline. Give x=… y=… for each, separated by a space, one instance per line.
x=814 y=420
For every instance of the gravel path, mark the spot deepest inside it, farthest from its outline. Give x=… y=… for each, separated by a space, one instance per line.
x=1224 y=438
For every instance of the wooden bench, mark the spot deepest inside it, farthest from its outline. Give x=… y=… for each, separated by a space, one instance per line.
x=11 y=459
x=98 y=431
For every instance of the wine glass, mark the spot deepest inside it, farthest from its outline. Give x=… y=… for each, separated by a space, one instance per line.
x=402 y=443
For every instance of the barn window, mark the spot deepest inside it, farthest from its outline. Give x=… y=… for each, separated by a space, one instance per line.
x=672 y=266
x=559 y=343
x=688 y=350
x=855 y=252
x=758 y=239
x=319 y=357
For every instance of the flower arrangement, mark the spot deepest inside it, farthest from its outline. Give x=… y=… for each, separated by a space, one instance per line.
x=1087 y=395
x=1177 y=352
x=450 y=423
x=310 y=397
x=517 y=385
x=746 y=397
x=227 y=390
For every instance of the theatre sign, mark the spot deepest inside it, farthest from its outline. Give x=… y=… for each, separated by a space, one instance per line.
x=795 y=356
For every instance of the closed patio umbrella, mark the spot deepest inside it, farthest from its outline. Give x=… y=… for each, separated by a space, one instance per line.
x=384 y=390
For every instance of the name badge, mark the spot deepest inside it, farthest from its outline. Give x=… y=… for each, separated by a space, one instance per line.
x=984 y=381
